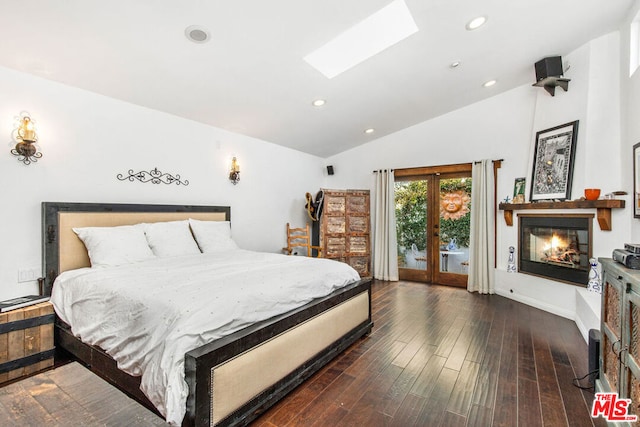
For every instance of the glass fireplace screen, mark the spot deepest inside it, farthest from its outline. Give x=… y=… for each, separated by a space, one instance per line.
x=556 y=247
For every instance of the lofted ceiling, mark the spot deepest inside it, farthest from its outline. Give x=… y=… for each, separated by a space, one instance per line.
x=250 y=77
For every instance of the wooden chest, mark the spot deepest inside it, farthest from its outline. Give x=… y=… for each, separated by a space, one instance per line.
x=26 y=341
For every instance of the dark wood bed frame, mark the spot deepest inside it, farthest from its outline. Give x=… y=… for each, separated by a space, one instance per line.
x=200 y=361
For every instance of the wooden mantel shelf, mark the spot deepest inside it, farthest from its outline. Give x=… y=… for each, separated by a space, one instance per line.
x=603 y=208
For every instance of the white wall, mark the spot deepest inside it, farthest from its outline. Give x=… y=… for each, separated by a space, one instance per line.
x=497 y=128
x=504 y=127
x=593 y=99
x=87 y=139
x=630 y=101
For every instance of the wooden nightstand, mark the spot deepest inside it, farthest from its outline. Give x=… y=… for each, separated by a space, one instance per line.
x=26 y=341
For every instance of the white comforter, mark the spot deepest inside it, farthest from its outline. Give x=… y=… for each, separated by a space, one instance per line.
x=147 y=315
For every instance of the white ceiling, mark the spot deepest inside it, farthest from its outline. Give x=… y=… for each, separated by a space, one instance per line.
x=251 y=78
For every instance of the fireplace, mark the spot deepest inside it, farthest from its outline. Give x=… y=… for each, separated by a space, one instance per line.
x=556 y=247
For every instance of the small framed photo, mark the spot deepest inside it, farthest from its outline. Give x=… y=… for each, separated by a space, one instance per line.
x=636 y=180
x=553 y=162
x=518 y=190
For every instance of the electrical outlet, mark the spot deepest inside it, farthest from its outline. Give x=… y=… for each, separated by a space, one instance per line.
x=28 y=275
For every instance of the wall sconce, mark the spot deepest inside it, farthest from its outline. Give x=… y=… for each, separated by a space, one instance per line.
x=25 y=137
x=234 y=171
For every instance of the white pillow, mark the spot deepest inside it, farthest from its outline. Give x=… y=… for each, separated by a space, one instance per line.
x=172 y=238
x=213 y=236
x=109 y=246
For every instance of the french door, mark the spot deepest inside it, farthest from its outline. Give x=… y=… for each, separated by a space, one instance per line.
x=433 y=210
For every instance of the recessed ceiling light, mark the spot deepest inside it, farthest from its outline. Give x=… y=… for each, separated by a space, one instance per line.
x=369 y=131
x=476 y=23
x=318 y=102
x=454 y=64
x=386 y=27
x=197 y=34
x=490 y=83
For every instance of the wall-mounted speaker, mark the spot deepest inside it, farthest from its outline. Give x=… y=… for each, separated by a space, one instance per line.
x=549 y=67
x=594 y=355
x=330 y=170
x=549 y=74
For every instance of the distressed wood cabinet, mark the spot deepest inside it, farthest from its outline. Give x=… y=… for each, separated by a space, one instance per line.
x=620 y=331
x=344 y=228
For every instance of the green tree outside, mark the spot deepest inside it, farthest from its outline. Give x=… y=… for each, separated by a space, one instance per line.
x=459 y=228
x=411 y=217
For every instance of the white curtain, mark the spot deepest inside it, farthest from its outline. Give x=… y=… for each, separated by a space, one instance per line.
x=481 y=242
x=385 y=251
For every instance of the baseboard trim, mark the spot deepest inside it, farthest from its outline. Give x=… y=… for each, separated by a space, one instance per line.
x=567 y=314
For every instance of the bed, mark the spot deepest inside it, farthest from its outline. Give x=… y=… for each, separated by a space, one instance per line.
x=233 y=379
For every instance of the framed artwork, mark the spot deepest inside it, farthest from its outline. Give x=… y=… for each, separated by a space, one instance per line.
x=553 y=159
x=636 y=180
x=518 y=190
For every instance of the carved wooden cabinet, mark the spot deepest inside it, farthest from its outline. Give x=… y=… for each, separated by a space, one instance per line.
x=620 y=333
x=344 y=228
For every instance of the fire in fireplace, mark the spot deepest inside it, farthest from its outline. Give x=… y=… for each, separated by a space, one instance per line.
x=557 y=247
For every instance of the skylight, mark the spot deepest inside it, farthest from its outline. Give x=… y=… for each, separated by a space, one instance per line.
x=388 y=26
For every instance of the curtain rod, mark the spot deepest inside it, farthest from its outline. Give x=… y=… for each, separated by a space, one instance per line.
x=476 y=162
x=497 y=160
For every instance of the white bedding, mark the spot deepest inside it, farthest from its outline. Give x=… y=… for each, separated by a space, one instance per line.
x=147 y=315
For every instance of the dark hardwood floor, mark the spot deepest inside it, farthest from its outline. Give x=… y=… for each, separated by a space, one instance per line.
x=437 y=356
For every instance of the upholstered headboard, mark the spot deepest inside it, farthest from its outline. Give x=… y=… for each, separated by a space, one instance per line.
x=62 y=250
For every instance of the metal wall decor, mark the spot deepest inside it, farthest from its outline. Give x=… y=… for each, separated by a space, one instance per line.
x=154 y=176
